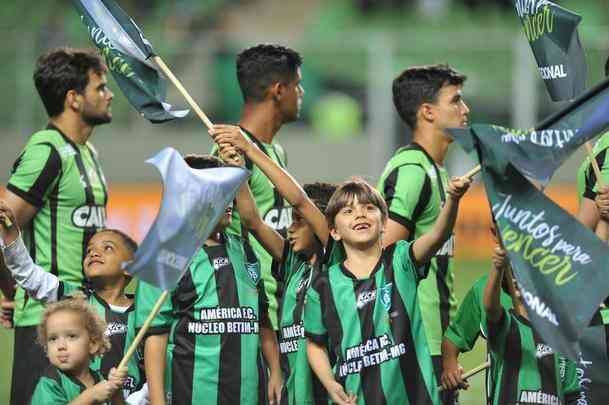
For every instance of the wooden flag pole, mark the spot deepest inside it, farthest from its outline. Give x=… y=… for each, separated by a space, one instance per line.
x=143 y=330
x=193 y=104
x=473 y=372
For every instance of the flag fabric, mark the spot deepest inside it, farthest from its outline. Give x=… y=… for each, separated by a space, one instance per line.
x=555 y=258
x=593 y=367
x=552 y=33
x=193 y=202
x=539 y=152
x=127 y=54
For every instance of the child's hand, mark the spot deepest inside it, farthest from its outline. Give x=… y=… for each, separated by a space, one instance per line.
x=457 y=186
x=230 y=134
x=500 y=259
x=103 y=391
x=602 y=202
x=229 y=154
x=7 y=217
x=117 y=377
x=274 y=388
x=339 y=396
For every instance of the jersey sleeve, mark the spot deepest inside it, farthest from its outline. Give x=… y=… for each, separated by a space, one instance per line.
x=37 y=283
x=403 y=259
x=569 y=380
x=497 y=332
x=48 y=392
x=146 y=296
x=315 y=328
x=406 y=190
x=35 y=172
x=464 y=329
x=591 y=183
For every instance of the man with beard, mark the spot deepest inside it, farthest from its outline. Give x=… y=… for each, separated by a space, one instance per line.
x=57 y=191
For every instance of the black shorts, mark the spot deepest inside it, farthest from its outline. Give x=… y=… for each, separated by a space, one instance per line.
x=450 y=397
x=29 y=362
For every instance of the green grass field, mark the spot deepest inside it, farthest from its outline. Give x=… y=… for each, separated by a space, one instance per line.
x=467 y=272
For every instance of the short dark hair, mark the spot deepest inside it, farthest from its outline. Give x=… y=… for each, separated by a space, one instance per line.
x=421 y=84
x=203 y=161
x=320 y=193
x=61 y=70
x=261 y=66
x=347 y=192
x=128 y=241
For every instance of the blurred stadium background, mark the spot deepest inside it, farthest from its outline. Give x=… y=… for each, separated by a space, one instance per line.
x=352 y=50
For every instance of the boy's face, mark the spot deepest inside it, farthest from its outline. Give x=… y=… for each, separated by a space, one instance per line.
x=225 y=219
x=358 y=224
x=69 y=345
x=301 y=236
x=106 y=253
x=450 y=110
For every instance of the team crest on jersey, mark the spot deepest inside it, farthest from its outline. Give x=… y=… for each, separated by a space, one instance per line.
x=543 y=350
x=87 y=216
x=303 y=283
x=115 y=328
x=220 y=262
x=385 y=295
x=365 y=297
x=253 y=271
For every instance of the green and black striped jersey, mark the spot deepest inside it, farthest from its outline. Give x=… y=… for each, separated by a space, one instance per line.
x=274 y=210
x=413 y=186
x=64 y=181
x=120 y=330
x=302 y=386
x=464 y=329
x=213 y=319
x=373 y=327
x=527 y=370
x=57 y=388
x=586 y=178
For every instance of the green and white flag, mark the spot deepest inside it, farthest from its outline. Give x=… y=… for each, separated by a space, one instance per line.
x=127 y=53
x=552 y=33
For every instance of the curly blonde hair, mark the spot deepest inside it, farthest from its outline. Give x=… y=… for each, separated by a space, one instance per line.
x=95 y=325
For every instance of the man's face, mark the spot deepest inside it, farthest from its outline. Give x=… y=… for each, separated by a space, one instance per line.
x=292 y=99
x=450 y=110
x=97 y=98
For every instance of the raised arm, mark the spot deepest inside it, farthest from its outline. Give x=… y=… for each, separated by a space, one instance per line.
x=270 y=239
x=287 y=186
x=425 y=247
x=39 y=284
x=492 y=291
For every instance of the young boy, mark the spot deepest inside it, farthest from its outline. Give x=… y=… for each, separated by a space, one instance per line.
x=211 y=328
x=72 y=334
x=105 y=290
x=365 y=309
x=527 y=371
x=300 y=256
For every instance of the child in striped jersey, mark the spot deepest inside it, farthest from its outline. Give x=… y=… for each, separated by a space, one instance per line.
x=366 y=310
x=211 y=331
x=299 y=256
x=525 y=370
x=73 y=334
x=106 y=280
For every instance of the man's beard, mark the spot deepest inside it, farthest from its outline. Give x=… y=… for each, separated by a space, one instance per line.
x=94 y=120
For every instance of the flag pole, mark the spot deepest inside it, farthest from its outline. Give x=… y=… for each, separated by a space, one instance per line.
x=472 y=372
x=193 y=104
x=143 y=330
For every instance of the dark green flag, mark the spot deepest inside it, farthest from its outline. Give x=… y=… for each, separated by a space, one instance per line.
x=539 y=152
x=552 y=32
x=561 y=267
x=593 y=367
x=127 y=54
